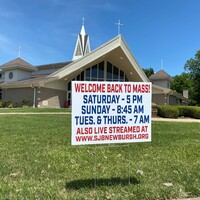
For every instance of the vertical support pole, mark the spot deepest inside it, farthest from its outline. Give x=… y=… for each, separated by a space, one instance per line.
x=34 y=96
x=95 y=167
x=129 y=164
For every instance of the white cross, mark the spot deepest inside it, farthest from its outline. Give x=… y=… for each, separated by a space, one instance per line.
x=83 y=19
x=119 y=24
x=19 y=51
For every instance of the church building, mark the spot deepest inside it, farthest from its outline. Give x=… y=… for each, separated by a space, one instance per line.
x=50 y=85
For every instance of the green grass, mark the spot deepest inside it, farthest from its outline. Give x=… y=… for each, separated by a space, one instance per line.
x=38 y=162
x=28 y=110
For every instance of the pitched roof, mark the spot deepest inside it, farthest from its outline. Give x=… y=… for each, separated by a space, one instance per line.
x=31 y=82
x=18 y=63
x=160 y=75
x=53 y=65
x=161 y=90
x=115 y=50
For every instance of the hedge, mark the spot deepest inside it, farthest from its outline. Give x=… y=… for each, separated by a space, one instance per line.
x=189 y=111
x=168 y=111
x=8 y=104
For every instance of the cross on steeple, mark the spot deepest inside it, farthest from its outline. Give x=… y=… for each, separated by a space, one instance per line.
x=83 y=19
x=19 y=51
x=119 y=24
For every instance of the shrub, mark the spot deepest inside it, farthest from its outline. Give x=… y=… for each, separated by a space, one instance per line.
x=16 y=104
x=181 y=110
x=154 y=110
x=26 y=102
x=2 y=104
x=168 y=111
x=189 y=111
x=7 y=104
x=197 y=113
x=10 y=105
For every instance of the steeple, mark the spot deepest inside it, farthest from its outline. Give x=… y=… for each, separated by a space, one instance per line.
x=82 y=44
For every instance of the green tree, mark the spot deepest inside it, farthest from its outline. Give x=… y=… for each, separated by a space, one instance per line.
x=149 y=71
x=181 y=82
x=193 y=67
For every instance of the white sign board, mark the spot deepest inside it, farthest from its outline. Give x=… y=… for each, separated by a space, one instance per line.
x=110 y=112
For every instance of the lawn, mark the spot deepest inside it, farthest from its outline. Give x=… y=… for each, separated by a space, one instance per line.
x=38 y=162
x=33 y=110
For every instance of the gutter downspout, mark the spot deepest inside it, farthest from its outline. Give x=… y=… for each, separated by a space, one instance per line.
x=34 y=95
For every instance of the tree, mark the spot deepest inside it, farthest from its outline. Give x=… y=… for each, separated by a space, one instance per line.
x=193 y=67
x=181 y=82
x=148 y=71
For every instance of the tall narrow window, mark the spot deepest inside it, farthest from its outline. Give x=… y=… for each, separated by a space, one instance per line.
x=94 y=73
x=88 y=74
x=121 y=75
x=69 y=86
x=78 y=77
x=101 y=71
x=109 y=72
x=82 y=76
x=115 y=73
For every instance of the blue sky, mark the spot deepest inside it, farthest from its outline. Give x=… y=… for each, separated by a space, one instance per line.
x=47 y=30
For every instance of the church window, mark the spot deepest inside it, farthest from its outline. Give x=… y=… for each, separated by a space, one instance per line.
x=121 y=75
x=69 y=86
x=88 y=74
x=10 y=75
x=78 y=77
x=115 y=73
x=94 y=73
x=109 y=72
x=101 y=71
x=82 y=76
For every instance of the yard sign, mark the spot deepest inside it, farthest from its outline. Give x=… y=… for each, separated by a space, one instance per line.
x=110 y=112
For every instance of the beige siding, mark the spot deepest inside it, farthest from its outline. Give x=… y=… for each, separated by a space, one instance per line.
x=17 y=94
x=50 y=98
x=174 y=100
x=159 y=99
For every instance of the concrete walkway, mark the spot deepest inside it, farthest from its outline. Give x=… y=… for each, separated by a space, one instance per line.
x=198 y=198
x=36 y=113
x=175 y=120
